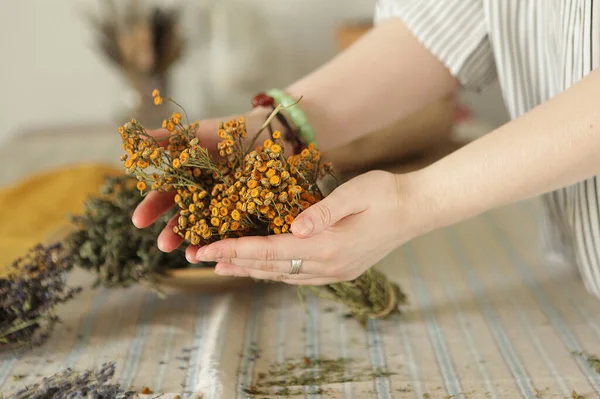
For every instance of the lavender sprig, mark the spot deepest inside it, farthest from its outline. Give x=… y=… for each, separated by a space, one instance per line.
x=69 y=384
x=35 y=285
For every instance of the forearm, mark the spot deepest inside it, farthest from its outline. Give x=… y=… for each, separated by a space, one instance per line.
x=385 y=76
x=555 y=145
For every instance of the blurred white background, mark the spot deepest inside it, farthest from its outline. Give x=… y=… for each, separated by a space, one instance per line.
x=51 y=75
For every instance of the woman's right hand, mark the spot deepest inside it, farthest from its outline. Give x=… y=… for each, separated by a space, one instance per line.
x=157 y=203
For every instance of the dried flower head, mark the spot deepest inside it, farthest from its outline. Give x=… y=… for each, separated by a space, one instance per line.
x=35 y=284
x=107 y=243
x=245 y=190
x=69 y=384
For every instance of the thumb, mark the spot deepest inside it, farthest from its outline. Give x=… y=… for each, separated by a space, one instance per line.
x=323 y=214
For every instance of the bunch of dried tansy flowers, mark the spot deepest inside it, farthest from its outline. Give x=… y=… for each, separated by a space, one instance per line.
x=34 y=285
x=245 y=190
x=106 y=243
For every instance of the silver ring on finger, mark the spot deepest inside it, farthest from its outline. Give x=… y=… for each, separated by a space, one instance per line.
x=296 y=265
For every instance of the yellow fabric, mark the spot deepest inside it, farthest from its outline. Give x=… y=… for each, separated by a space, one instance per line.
x=33 y=209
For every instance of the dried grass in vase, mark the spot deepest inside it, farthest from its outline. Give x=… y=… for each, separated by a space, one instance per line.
x=246 y=190
x=143 y=41
x=140 y=39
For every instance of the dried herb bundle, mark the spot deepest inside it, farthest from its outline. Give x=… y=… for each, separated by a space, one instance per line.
x=36 y=283
x=246 y=190
x=107 y=243
x=71 y=385
x=371 y=296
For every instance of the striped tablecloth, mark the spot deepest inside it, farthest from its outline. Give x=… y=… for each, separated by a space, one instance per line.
x=489 y=317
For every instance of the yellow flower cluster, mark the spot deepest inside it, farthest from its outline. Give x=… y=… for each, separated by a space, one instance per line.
x=157 y=98
x=240 y=191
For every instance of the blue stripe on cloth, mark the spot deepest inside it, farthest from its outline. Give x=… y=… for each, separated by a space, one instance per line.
x=167 y=355
x=382 y=385
x=86 y=328
x=169 y=345
x=281 y=327
x=587 y=315
x=482 y=368
x=525 y=322
x=343 y=342
x=522 y=378
x=566 y=389
x=415 y=379
x=571 y=343
x=137 y=345
x=7 y=365
x=249 y=350
x=221 y=339
x=436 y=335
x=312 y=338
x=198 y=346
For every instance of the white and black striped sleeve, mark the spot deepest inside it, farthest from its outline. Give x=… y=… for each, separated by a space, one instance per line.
x=454 y=31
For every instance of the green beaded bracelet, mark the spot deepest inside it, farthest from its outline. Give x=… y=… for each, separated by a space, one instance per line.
x=296 y=115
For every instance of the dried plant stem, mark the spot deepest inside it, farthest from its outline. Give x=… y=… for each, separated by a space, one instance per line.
x=187 y=119
x=272 y=116
x=19 y=327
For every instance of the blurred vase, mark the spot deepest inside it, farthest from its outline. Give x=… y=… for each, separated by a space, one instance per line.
x=138 y=100
x=243 y=55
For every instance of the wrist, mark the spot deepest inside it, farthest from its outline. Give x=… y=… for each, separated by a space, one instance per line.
x=421 y=203
x=441 y=199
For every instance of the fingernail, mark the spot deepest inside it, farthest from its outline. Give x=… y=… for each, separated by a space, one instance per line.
x=220 y=271
x=303 y=227
x=135 y=222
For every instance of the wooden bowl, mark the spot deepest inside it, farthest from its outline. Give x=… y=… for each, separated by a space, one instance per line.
x=201 y=280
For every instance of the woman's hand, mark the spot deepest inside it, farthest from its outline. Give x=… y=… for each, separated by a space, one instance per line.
x=337 y=239
x=157 y=203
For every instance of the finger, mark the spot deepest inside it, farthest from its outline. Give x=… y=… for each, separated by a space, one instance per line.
x=168 y=241
x=278 y=266
x=227 y=269
x=151 y=208
x=266 y=250
x=190 y=254
x=160 y=135
x=325 y=213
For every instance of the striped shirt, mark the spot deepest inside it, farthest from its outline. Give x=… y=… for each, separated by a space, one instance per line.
x=535 y=49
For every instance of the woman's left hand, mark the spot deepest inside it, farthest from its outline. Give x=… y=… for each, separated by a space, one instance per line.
x=337 y=239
